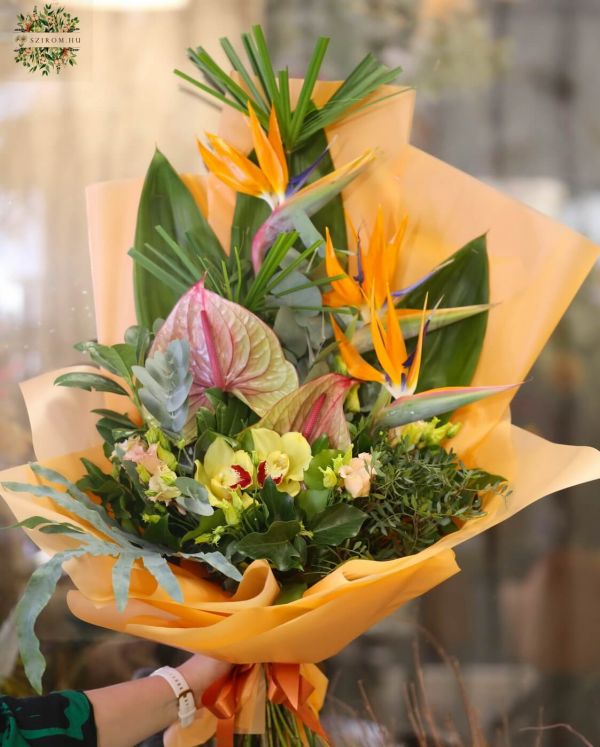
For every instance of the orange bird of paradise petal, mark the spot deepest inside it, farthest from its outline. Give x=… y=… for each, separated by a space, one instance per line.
x=357 y=366
x=400 y=373
x=269 y=152
x=345 y=291
x=372 y=268
x=233 y=168
x=269 y=179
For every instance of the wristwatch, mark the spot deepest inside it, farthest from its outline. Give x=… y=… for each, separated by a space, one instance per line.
x=186 y=704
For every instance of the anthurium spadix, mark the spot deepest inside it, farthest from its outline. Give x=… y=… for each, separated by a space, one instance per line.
x=230 y=348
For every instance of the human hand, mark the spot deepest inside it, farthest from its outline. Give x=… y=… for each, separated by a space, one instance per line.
x=201 y=671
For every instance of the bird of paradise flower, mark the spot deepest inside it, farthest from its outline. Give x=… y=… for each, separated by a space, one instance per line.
x=399 y=371
x=270 y=180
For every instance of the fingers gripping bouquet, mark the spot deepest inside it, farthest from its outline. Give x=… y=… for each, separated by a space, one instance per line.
x=311 y=408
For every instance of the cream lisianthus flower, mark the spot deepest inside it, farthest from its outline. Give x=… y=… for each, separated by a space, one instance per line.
x=224 y=470
x=161 y=485
x=357 y=475
x=282 y=458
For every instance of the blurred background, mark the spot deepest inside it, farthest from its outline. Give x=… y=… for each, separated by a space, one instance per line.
x=509 y=91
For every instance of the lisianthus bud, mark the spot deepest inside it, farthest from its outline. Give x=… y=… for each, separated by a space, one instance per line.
x=357 y=475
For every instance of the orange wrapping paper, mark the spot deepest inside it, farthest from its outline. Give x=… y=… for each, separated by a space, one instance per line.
x=536 y=267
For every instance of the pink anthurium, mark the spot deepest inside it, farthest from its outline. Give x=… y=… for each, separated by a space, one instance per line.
x=230 y=348
x=315 y=409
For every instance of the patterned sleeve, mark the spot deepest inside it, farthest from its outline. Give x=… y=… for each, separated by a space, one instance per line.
x=62 y=719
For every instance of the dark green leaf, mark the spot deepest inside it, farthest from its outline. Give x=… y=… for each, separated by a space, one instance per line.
x=275 y=545
x=90 y=382
x=336 y=524
x=291 y=592
x=32 y=522
x=117 y=359
x=206 y=524
x=280 y=505
x=313 y=476
x=319 y=444
x=61 y=528
x=139 y=338
x=313 y=502
x=450 y=354
x=166 y=202
x=332 y=214
x=116 y=419
x=249 y=215
x=160 y=533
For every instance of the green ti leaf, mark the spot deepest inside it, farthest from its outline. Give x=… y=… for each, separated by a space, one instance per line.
x=451 y=354
x=166 y=202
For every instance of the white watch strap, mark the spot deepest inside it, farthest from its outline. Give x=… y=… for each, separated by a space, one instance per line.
x=186 y=705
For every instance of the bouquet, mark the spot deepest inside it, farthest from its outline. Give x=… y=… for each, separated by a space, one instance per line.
x=309 y=406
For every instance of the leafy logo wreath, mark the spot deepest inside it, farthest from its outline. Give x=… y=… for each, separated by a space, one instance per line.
x=47 y=21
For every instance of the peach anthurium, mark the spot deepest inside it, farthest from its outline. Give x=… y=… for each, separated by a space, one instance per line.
x=315 y=409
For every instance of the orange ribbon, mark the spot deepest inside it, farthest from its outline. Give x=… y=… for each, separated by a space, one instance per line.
x=286 y=686
x=289 y=688
x=224 y=699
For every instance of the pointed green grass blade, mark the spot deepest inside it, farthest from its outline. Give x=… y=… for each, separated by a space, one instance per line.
x=240 y=68
x=310 y=78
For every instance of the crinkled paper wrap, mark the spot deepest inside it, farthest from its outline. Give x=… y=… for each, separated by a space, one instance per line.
x=536 y=267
